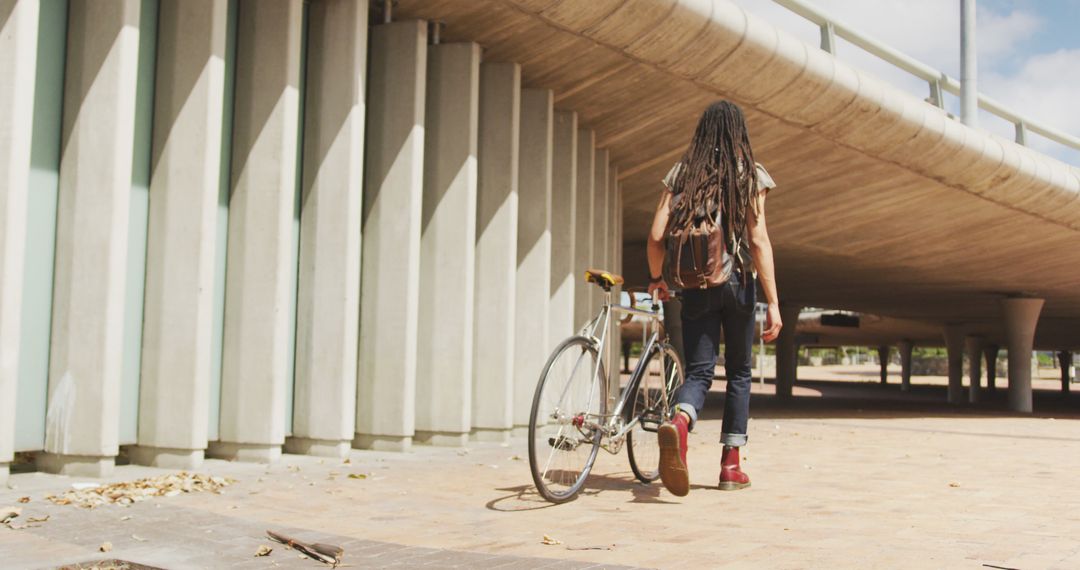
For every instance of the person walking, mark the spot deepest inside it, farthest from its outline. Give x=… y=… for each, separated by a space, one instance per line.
x=713 y=202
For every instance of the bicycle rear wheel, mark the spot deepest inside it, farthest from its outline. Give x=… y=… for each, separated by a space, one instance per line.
x=662 y=374
x=564 y=426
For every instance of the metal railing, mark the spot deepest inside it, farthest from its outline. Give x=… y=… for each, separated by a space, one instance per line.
x=937 y=81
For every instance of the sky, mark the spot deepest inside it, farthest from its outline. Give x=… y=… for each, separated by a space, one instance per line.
x=1028 y=53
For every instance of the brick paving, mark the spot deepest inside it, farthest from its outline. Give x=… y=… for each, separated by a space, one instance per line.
x=848 y=475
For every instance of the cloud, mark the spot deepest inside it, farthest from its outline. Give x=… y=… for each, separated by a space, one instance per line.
x=1044 y=87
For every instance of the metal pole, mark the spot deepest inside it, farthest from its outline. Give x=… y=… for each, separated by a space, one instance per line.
x=969 y=93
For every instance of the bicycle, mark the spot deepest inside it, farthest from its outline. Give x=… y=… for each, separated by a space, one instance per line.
x=570 y=419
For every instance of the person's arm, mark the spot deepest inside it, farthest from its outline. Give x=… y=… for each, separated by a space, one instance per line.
x=762 y=254
x=658 y=289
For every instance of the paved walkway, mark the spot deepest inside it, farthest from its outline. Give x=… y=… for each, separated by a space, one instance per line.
x=850 y=475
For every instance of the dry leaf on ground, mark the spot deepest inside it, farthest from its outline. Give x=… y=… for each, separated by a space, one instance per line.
x=358 y=475
x=23 y=500
x=263 y=550
x=550 y=541
x=38 y=519
x=9 y=513
x=128 y=492
x=954 y=484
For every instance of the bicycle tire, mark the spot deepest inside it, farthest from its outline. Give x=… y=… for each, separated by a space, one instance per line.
x=540 y=438
x=645 y=463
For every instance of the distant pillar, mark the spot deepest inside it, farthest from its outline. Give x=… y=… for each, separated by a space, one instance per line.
x=255 y=359
x=905 y=347
x=182 y=235
x=990 y=354
x=973 y=347
x=85 y=359
x=532 y=336
x=496 y=252
x=954 y=345
x=601 y=216
x=390 y=262
x=787 y=350
x=18 y=58
x=614 y=338
x=1021 y=318
x=584 y=296
x=448 y=246
x=883 y=362
x=563 y=228
x=1065 y=360
x=328 y=286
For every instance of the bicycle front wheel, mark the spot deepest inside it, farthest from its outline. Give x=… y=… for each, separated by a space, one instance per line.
x=662 y=374
x=565 y=423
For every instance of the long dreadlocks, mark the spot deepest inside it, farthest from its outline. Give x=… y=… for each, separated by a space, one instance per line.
x=717 y=178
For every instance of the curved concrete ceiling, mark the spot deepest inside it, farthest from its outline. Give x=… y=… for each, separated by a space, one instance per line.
x=884 y=204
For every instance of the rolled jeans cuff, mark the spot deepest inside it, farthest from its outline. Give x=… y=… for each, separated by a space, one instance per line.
x=690 y=411
x=733 y=439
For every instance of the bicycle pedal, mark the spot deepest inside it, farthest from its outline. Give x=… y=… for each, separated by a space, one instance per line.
x=562 y=444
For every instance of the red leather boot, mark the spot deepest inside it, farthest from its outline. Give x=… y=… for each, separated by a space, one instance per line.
x=673 y=471
x=731 y=476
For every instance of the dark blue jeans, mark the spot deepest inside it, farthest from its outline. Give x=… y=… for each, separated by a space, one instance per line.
x=705 y=312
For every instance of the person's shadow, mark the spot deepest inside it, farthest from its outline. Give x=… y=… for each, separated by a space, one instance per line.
x=527 y=498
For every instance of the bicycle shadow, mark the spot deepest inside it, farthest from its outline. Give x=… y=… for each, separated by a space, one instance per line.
x=527 y=498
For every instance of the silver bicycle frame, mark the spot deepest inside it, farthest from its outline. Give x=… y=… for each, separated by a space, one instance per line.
x=602 y=323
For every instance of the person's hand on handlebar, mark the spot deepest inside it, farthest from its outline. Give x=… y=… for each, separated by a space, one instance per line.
x=658 y=290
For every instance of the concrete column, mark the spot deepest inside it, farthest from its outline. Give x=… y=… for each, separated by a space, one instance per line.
x=564 y=280
x=496 y=252
x=883 y=362
x=86 y=350
x=612 y=255
x=390 y=270
x=532 y=339
x=905 y=347
x=257 y=288
x=954 y=345
x=1065 y=360
x=584 y=297
x=601 y=215
x=990 y=354
x=328 y=286
x=448 y=245
x=600 y=224
x=1021 y=317
x=787 y=350
x=615 y=341
x=181 y=234
x=18 y=59
x=973 y=347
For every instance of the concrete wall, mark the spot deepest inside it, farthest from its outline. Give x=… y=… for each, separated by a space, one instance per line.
x=18 y=57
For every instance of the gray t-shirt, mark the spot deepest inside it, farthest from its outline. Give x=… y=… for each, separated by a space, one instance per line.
x=764 y=181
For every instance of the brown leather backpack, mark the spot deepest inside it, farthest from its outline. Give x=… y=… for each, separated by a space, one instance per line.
x=697 y=256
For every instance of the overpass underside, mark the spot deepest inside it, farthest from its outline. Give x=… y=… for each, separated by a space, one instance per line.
x=233 y=227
